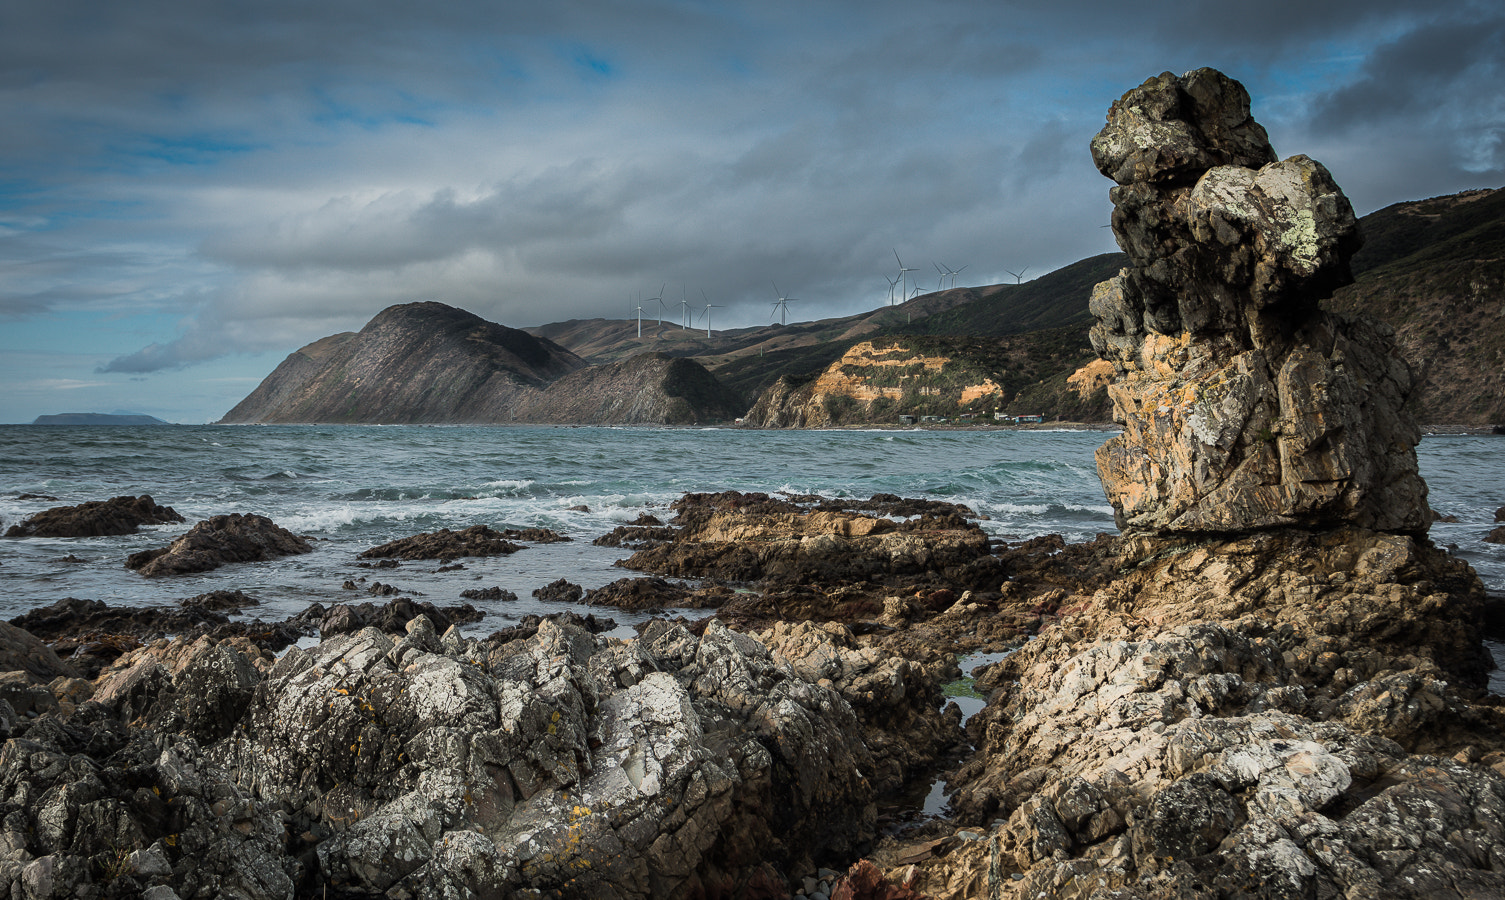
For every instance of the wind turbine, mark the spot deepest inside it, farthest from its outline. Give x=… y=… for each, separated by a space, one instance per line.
x=892 y=283
x=708 y=307
x=639 y=310
x=684 y=309
x=781 y=305
x=660 y=300
x=903 y=279
x=948 y=272
x=1019 y=275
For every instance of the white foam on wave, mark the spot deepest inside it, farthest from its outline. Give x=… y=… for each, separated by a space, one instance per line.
x=510 y=484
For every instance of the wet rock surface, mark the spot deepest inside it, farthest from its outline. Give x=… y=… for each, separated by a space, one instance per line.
x=446 y=545
x=97 y=518
x=218 y=541
x=738 y=536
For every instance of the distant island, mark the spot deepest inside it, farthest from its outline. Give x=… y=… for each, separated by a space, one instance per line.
x=97 y=419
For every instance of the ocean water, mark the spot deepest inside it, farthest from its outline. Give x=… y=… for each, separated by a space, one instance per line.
x=351 y=488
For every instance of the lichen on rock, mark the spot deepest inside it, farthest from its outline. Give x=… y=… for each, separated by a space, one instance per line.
x=1244 y=404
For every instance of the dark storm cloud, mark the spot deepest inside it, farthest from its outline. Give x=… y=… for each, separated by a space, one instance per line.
x=1425 y=71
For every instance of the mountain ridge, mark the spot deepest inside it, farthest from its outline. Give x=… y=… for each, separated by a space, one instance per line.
x=1434 y=270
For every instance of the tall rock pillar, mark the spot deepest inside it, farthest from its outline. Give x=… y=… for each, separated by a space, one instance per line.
x=1244 y=404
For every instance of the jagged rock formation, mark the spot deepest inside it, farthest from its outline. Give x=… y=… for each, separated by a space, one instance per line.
x=219 y=540
x=1280 y=710
x=1244 y=404
x=555 y=763
x=427 y=363
x=96 y=518
x=1285 y=714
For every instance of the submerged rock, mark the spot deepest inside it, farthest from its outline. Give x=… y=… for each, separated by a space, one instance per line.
x=217 y=541
x=1244 y=404
x=122 y=515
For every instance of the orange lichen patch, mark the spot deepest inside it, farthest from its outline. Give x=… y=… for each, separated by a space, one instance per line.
x=1089 y=378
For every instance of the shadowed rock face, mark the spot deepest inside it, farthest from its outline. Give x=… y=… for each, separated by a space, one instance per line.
x=1244 y=405
x=122 y=515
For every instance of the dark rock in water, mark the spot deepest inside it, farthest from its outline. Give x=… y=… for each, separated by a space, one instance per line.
x=97 y=518
x=380 y=564
x=636 y=536
x=217 y=541
x=446 y=545
x=1495 y=536
x=536 y=535
x=560 y=591
x=491 y=593
x=392 y=617
x=1244 y=404
x=528 y=626
x=641 y=594
x=1500 y=514
x=220 y=601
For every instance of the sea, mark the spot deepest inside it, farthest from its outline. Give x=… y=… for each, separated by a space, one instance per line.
x=349 y=488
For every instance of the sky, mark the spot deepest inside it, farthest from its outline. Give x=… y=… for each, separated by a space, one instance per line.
x=190 y=190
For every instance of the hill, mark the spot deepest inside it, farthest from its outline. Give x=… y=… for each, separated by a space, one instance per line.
x=1435 y=271
x=427 y=363
x=414 y=363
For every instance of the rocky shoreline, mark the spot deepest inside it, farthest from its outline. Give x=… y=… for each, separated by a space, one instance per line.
x=1289 y=694
x=1271 y=684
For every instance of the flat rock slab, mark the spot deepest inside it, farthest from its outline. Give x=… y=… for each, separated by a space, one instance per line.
x=97 y=518
x=446 y=545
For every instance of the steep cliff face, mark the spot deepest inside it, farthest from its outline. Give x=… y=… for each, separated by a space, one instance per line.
x=1244 y=404
x=414 y=363
x=651 y=389
x=878 y=380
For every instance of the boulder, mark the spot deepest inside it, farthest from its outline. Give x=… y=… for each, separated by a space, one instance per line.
x=648 y=593
x=446 y=545
x=1244 y=404
x=217 y=541
x=22 y=651
x=122 y=515
x=560 y=590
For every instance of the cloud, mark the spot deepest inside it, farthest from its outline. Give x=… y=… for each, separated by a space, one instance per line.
x=223 y=180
